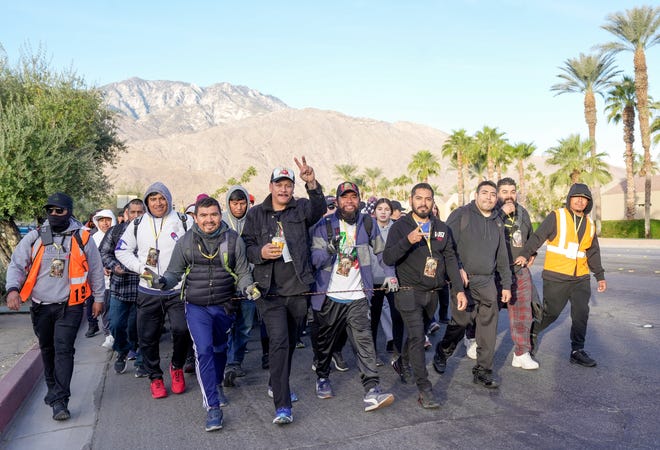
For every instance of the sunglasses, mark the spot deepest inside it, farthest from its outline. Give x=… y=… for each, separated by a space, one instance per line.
x=331 y=207
x=55 y=210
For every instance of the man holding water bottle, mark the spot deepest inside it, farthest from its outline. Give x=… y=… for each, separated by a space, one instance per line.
x=276 y=236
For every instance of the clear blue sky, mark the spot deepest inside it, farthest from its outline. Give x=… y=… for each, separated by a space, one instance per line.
x=447 y=64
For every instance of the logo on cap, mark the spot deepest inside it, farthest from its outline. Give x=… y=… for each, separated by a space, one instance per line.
x=347 y=187
x=282 y=172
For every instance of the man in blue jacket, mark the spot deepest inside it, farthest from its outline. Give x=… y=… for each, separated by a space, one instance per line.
x=341 y=257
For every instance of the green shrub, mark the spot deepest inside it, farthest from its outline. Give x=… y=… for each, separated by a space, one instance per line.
x=632 y=229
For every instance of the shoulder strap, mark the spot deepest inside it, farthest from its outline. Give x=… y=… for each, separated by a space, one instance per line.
x=136 y=223
x=330 y=232
x=368 y=224
x=228 y=250
x=184 y=220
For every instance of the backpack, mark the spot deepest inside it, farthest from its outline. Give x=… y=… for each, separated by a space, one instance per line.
x=366 y=220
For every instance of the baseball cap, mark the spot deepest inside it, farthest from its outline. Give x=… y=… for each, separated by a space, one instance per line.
x=396 y=205
x=61 y=200
x=347 y=186
x=281 y=173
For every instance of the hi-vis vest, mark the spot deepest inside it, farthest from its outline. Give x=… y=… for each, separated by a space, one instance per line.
x=565 y=254
x=78 y=270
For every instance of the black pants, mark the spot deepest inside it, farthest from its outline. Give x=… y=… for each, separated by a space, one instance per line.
x=353 y=319
x=151 y=310
x=340 y=340
x=413 y=305
x=483 y=312
x=56 y=327
x=397 y=321
x=284 y=317
x=555 y=296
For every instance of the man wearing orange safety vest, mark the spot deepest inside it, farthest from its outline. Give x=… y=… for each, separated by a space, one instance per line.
x=56 y=266
x=571 y=254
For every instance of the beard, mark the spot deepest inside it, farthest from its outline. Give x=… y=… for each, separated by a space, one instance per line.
x=422 y=215
x=348 y=217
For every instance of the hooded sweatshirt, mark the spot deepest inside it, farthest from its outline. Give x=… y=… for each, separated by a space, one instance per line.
x=99 y=235
x=234 y=222
x=547 y=231
x=153 y=233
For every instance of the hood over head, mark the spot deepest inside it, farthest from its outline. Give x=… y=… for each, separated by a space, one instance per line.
x=580 y=190
x=159 y=188
x=235 y=223
x=104 y=213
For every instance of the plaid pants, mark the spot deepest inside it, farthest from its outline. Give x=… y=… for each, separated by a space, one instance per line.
x=520 y=311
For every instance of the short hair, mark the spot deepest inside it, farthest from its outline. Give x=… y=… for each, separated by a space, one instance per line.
x=382 y=200
x=421 y=186
x=486 y=183
x=207 y=202
x=135 y=201
x=506 y=181
x=238 y=194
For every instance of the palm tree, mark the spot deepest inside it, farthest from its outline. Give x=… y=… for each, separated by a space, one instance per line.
x=398 y=187
x=519 y=153
x=588 y=75
x=478 y=165
x=637 y=30
x=345 y=171
x=456 y=148
x=490 y=142
x=372 y=175
x=576 y=164
x=620 y=105
x=423 y=165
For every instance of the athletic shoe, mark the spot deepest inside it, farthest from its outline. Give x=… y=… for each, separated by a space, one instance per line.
x=178 y=380
x=189 y=366
x=92 y=330
x=470 y=347
x=109 y=342
x=283 y=416
x=238 y=370
x=140 y=371
x=230 y=377
x=435 y=326
x=484 y=377
x=213 y=419
x=132 y=355
x=427 y=400
x=582 y=358
x=379 y=362
x=440 y=360
x=293 y=396
x=222 y=398
x=315 y=364
x=60 y=411
x=338 y=361
x=120 y=363
x=158 y=388
x=427 y=343
x=375 y=399
x=300 y=344
x=323 y=388
x=524 y=361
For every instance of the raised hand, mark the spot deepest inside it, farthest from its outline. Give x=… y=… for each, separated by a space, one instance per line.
x=306 y=172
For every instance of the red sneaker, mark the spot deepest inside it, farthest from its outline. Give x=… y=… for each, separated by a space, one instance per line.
x=178 y=380
x=158 y=388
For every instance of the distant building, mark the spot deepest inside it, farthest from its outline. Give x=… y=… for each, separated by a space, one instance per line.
x=613 y=199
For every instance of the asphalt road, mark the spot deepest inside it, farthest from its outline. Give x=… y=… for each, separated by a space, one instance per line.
x=614 y=405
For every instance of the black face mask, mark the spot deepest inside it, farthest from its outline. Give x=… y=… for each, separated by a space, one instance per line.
x=59 y=224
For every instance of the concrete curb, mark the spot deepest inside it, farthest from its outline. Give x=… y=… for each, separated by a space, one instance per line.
x=18 y=383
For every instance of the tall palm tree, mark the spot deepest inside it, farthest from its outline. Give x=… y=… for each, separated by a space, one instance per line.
x=423 y=165
x=637 y=30
x=620 y=105
x=490 y=142
x=372 y=175
x=456 y=148
x=345 y=171
x=519 y=153
x=588 y=75
x=478 y=165
x=573 y=156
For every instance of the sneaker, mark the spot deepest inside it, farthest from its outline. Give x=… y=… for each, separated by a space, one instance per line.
x=109 y=342
x=178 y=380
x=158 y=388
x=189 y=365
x=222 y=398
x=427 y=343
x=484 y=377
x=132 y=355
x=265 y=365
x=60 y=411
x=238 y=370
x=435 y=326
x=402 y=368
x=582 y=358
x=440 y=360
x=375 y=399
x=140 y=371
x=315 y=364
x=470 y=347
x=120 y=363
x=323 y=388
x=427 y=400
x=300 y=344
x=293 y=396
x=338 y=361
x=230 y=378
x=92 y=330
x=213 y=419
x=283 y=416
x=524 y=361
x=379 y=362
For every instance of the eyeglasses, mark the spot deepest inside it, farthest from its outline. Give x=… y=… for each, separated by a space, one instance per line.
x=55 y=210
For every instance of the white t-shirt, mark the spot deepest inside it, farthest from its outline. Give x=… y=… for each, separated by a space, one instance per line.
x=346 y=275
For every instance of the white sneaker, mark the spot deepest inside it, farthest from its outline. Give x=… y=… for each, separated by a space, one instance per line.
x=109 y=342
x=524 y=361
x=470 y=347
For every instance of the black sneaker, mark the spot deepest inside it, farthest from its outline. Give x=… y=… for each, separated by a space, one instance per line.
x=60 y=411
x=189 y=365
x=338 y=361
x=230 y=378
x=92 y=330
x=484 y=377
x=582 y=358
x=120 y=363
x=427 y=400
x=439 y=360
x=140 y=371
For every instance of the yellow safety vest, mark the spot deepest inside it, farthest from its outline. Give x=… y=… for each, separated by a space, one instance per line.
x=565 y=254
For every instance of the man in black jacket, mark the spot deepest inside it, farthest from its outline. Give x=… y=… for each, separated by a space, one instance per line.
x=421 y=247
x=276 y=235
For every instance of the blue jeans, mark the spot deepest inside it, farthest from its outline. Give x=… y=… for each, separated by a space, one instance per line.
x=123 y=327
x=240 y=333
